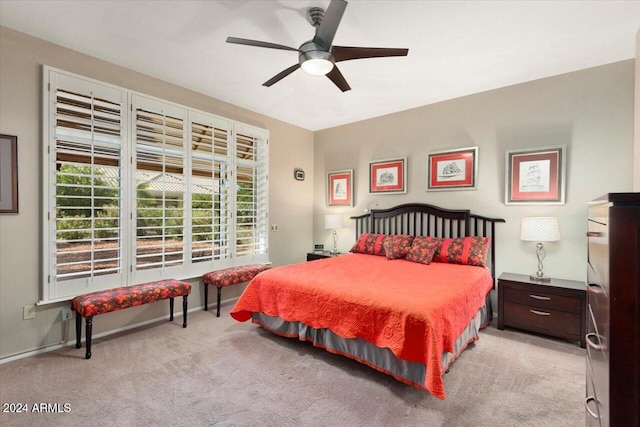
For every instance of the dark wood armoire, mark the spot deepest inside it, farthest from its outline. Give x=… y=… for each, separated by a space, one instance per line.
x=613 y=311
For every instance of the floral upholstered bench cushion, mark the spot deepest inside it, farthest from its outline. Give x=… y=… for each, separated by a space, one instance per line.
x=128 y=296
x=95 y=303
x=229 y=276
x=233 y=275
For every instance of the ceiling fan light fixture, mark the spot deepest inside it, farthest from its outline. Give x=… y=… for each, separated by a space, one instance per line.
x=316 y=63
x=317 y=57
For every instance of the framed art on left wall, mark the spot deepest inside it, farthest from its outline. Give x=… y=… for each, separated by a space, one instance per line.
x=340 y=188
x=8 y=174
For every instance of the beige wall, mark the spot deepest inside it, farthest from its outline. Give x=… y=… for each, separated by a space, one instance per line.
x=21 y=60
x=591 y=111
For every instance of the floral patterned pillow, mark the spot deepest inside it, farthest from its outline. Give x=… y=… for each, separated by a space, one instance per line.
x=463 y=250
x=397 y=246
x=369 y=244
x=423 y=249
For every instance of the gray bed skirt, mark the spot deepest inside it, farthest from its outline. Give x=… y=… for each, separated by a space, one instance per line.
x=381 y=359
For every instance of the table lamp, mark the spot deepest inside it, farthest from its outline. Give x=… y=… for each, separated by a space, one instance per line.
x=333 y=222
x=540 y=229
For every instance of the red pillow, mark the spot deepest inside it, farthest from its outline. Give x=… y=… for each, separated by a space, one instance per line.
x=397 y=246
x=369 y=244
x=463 y=250
x=423 y=249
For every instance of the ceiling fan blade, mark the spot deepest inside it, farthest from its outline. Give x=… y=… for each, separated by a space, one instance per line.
x=281 y=75
x=344 y=53
x=329 y=25
x=338 y=79
x=258 y=43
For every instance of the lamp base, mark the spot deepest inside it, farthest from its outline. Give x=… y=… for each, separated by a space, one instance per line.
x=539 y=279
x=334 y=252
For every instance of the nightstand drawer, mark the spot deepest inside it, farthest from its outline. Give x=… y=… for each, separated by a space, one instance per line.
x=556 y=308
x=547 y=321
x=542 y=299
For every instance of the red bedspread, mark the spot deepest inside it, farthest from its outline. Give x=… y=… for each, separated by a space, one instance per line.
x=415 y=310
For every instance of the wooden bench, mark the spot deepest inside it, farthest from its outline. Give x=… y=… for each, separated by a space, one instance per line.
x=90 y=305
x=228 y=277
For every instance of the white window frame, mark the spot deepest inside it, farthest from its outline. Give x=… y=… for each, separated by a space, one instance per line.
x=170 y=110
x=259 y=252
x=54 y=291
x=199 y=268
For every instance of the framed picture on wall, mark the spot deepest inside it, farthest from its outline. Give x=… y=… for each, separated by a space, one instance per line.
x=340 y=188
x=388 y=176
x=8 y=174
x=452 y=169
x=535 y=176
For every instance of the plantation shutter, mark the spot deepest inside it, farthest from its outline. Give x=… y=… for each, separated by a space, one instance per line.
x=210 y=183
x=137 y=189
x=160 y=180
x=251 y=219
x=85 y=203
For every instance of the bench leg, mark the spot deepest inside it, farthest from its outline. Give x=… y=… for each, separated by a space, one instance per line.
x=78 y=329
x=184 y=311
x=89 y=329
x=170 y=309
x=206 y=297
x=219 y=294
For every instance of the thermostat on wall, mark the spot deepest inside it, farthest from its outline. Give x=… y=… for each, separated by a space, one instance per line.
x=298 y=174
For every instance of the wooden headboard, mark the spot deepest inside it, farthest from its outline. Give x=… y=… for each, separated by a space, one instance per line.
x=418 y=219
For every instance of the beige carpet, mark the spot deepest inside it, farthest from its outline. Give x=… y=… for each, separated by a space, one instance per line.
x=224 y=373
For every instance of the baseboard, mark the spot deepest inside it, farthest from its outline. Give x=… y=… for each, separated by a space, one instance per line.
x=53 y=347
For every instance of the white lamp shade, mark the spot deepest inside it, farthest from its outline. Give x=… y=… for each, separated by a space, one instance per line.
x=333 y=221
x=540 y=229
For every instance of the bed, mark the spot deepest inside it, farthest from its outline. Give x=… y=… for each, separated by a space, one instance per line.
x=406 y=301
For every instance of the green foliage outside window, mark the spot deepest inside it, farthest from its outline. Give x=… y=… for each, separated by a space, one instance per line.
x=84 y=201
x=76 y=216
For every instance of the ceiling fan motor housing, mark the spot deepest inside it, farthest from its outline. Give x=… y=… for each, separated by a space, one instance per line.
x=314 y=59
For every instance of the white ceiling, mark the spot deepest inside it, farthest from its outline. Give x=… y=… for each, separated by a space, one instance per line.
x=456 y=48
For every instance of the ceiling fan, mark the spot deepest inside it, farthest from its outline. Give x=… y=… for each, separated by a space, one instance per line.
x=317 y=56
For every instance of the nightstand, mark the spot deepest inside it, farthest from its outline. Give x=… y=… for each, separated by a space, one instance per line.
x=312 y=256
x=556 y=308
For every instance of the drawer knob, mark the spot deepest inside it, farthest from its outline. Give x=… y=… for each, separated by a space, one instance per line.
x=540 y=313
x=586 y=406
x=594 y=234
x=540 y=297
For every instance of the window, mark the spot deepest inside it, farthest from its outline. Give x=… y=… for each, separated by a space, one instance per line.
x=160 y=184
x=251 y=186
x=139 y=189
x=210 y=197
x=84 y=175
